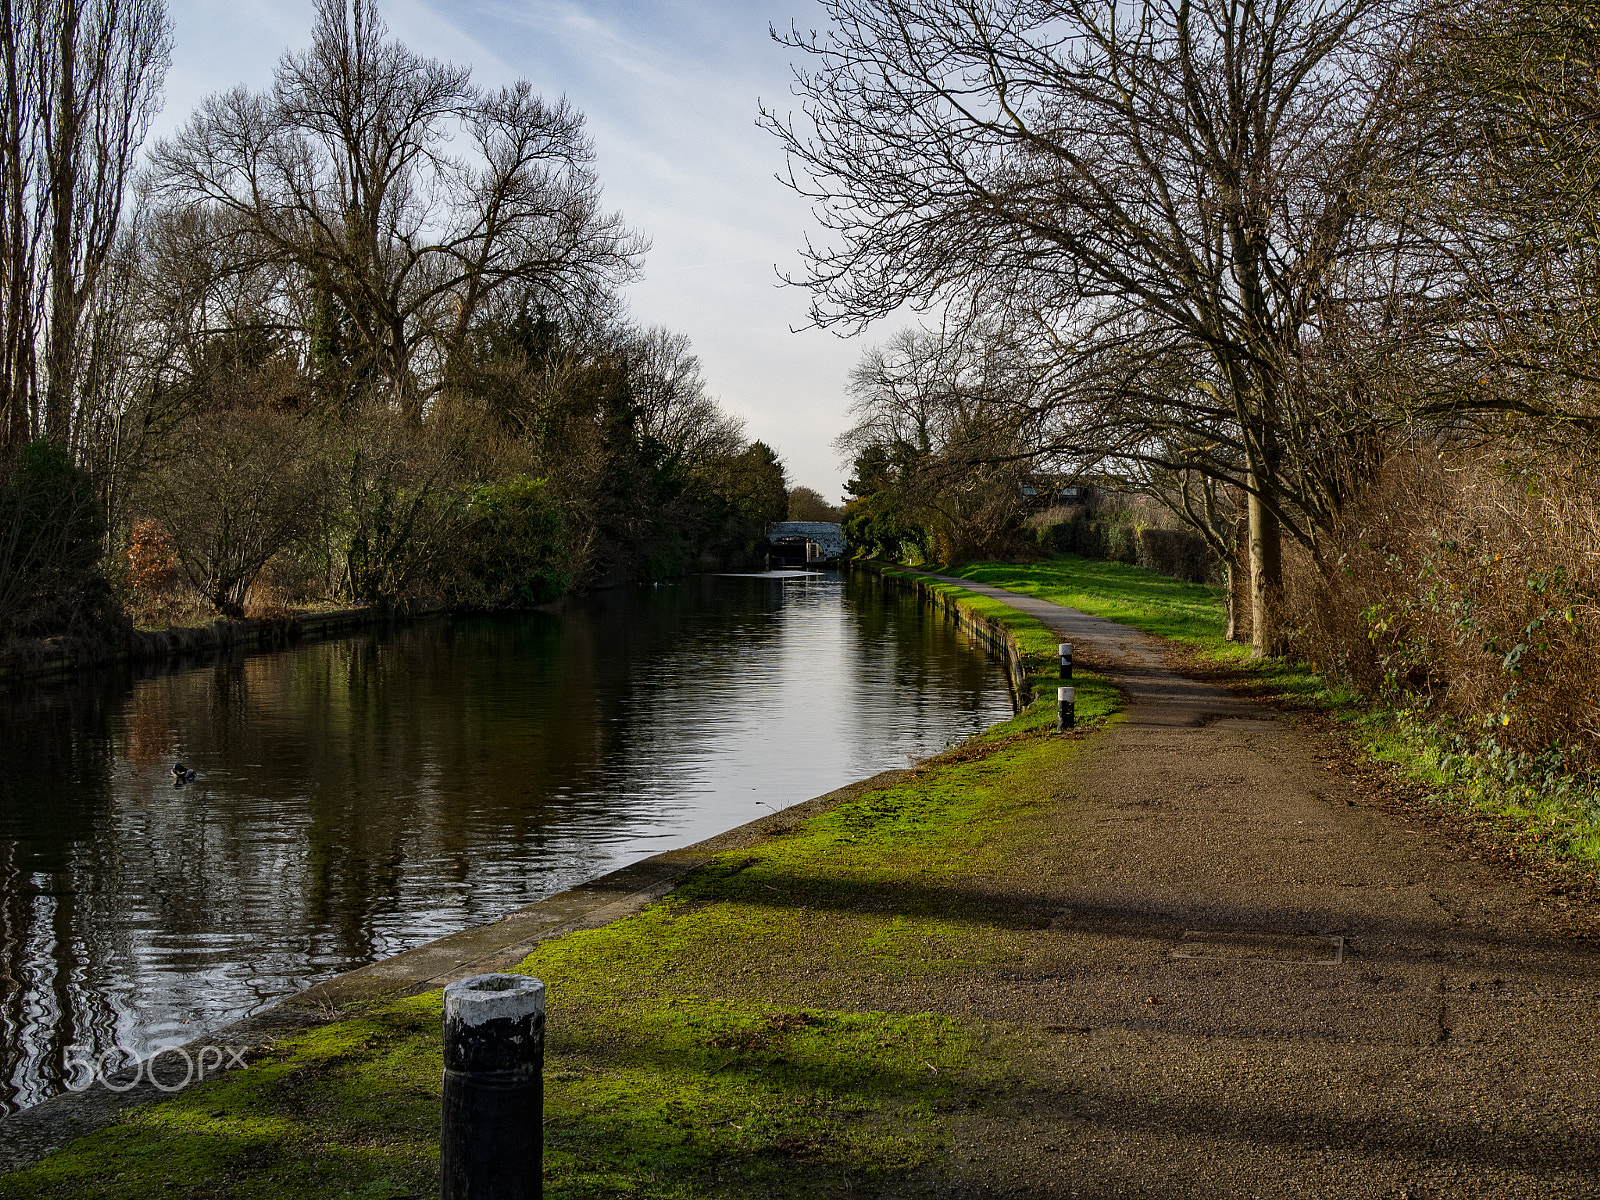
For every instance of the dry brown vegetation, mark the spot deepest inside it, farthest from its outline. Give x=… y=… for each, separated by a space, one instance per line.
x=1469 y=584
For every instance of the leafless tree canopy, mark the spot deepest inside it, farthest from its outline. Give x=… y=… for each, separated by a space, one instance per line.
x=405 y=197
x=675 y=409
x=1183 y=210
x=242 y=487
x=82 y=80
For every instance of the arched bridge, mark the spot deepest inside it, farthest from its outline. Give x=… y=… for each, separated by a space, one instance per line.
x=795 y=543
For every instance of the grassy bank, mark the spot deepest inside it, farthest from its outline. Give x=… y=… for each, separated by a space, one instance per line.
x=1038 y=650
x=1190 y=613
x=1523 y=803
x=763 y=1031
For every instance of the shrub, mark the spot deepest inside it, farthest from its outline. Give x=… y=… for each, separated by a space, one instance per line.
x=1176 y=552
x=512 y=553
x=237 y=488
x=1466 y=586
x=51 y=528
x=153 y=574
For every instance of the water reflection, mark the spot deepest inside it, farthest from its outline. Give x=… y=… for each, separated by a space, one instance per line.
x=359 y=797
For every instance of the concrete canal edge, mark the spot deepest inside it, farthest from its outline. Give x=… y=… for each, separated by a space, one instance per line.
x=54 y=661
x=989 y=633
x=29 y=1135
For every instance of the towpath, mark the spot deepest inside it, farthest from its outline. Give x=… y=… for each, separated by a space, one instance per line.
x=1257 y=983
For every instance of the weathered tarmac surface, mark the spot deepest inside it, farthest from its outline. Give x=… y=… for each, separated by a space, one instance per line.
x=1249 y=981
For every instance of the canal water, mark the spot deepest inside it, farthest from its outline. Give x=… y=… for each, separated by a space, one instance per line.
x=359 y=797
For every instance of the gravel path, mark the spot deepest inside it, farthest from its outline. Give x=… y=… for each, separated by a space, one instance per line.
x=1247 y=980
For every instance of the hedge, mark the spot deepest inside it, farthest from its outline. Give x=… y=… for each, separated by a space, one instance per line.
x=1175 y=552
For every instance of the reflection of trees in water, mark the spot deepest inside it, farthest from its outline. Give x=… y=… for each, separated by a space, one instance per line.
x=349 y=789
x=55 y=769
x=358 y=749
x=340 y=772
x=679 y=669
x=148 y=733
x=910 y=650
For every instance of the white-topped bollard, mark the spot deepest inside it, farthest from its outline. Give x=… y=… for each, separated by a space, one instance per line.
x=1066 y=702
x=1064 y=650
x=491 y=1145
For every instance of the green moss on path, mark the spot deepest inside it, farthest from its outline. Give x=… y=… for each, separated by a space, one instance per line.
x=747 y=1036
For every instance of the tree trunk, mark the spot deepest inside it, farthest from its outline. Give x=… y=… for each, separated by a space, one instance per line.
x=1231 y=633
x=1266 y=579
x=62 y=153
x=17 y=294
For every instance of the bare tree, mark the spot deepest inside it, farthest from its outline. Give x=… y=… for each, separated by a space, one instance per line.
x=949 y=411
x=82 y=81
x=675 y=409
x=1186 y=178
x=19 y=49
x=237 y=489
x=98 y=92
x=405 y=196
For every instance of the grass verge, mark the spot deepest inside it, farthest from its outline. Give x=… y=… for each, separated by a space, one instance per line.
x=757 y=1033
x=1038 y=647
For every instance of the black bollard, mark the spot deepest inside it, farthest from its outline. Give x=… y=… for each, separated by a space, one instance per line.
x=491 y=1146
x=1066 y=701
x=1064 y=649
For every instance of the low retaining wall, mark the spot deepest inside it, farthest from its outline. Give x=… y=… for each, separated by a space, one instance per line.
x=52 y=662
x=990 y=634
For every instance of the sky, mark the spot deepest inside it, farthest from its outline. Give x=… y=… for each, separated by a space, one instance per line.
x=670 y=89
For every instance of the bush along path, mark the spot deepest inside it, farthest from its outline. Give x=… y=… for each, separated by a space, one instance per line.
x=1169 y=955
